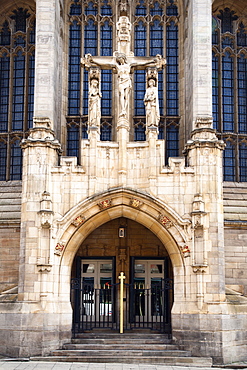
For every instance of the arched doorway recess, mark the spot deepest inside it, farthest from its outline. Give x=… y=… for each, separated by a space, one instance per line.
x=122 y=211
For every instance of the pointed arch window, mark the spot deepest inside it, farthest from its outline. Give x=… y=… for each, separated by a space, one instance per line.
x=155 y=31
x=229 y=67
x=90 y=32
x=158 y=34
x=17 y=68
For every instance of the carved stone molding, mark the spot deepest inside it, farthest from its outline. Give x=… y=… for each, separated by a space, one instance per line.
x=44 y=268
x=78 y=221
x=59 y=249
x=185 y=251
x=136 y=203
x=199 y=269
x=104 y=204
x=165 y=221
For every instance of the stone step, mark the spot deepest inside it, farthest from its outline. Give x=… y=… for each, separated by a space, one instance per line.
x=113 y=342
x=120 y=352
x=170 y=360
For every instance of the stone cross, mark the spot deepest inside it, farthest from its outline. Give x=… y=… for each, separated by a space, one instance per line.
x=123 y=63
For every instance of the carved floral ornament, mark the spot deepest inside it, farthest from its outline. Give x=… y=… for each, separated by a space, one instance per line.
x=104 y=204
x=78 y=221
x=185 y=251
x=59 y=248
x=136 y=203
x=165 y=221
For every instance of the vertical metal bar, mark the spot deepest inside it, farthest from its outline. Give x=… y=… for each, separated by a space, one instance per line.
x=121 y=317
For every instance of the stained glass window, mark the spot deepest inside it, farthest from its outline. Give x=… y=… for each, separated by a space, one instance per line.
x=229 y=70
x=17 y=70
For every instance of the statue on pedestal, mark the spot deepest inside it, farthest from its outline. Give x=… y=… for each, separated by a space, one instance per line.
x=151 y=101
x=94 y=111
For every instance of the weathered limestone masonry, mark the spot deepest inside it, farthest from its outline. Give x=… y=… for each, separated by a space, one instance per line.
x=182 y=205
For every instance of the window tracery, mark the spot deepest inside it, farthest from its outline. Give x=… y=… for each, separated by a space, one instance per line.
x=17 y=58
x=155 y=31
x=230 y=90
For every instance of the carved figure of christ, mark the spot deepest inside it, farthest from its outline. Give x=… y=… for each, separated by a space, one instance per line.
x=123 y=66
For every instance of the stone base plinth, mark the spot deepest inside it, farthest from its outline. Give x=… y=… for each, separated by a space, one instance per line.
x=220 y=336
x=26 y=330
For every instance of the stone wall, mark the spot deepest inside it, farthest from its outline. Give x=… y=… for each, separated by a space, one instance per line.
x=235 y=216
x=10 y=209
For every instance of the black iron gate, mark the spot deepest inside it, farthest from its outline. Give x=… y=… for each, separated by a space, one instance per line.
x=143 y=308
x=149 y=308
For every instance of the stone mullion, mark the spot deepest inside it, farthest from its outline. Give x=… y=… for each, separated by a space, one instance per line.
x=235 y=72
x=200 y=59
x=46 y=62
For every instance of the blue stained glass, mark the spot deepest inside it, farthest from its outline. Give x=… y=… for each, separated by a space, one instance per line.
x=106 y=9
x=140 y=39
x=90 y=38
x=242 y=36
x=215 y=91
x=16 y=161
x=140 y=133
x=105 y=132
x=4 y=93
x=172 y=106
x=73 y=140
x=74 y=70
x=31 y=75
x=227 y=41
x=227 y=17
x=85 y=93
x=5 y=35
x=32 y=34
x=229 y=162
x=75 y=9
x=156 y=9
x=3 y=160
x=141 y=9
x=91 y=9
x=18 y=92
x=242 y=95
x=172 y=10
x=106 y=40
x=214 y=31
x=161 y=92
x=20 y=41
x=156 y=38
x=227 y=93
x=172 y=141
x=140 y=88
x=106 y=85
x=20 y=16
x=243 y=161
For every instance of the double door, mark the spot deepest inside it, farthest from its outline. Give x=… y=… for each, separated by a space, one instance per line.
x=95 y=295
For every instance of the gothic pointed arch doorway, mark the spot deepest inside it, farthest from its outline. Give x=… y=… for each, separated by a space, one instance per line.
x=122 y=245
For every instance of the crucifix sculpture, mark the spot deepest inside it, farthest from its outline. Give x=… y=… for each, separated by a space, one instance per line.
x=123 y=63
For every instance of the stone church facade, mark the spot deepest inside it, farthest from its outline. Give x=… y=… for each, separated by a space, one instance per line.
x=123 y=143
